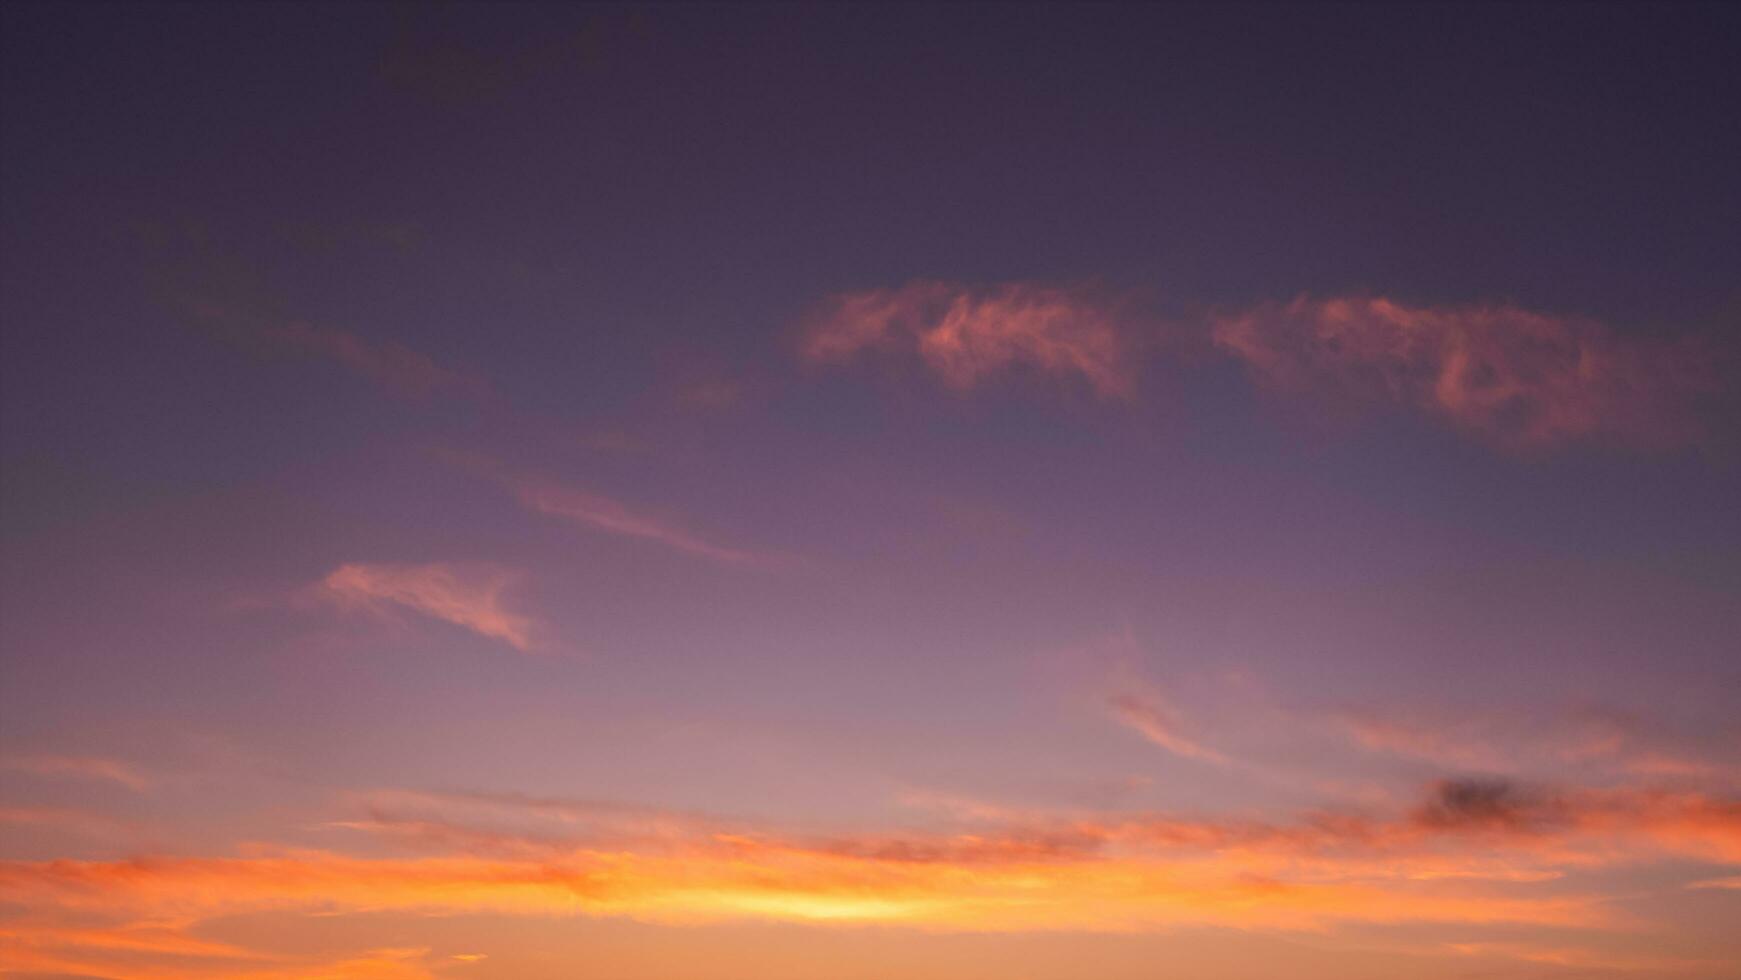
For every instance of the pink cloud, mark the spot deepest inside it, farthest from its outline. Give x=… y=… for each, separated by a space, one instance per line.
x=1503 y=374
x=1157 y=723
x=1594 y=740
x=968 y=334
x=598 y=512
x=614 y=517
x=79 y=767
x=468 y=596
x=1452 y=747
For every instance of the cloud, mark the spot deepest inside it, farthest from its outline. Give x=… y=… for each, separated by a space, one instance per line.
x=1583 y=960
x=1451 y=746
x=967 y=334
x=1481 y=804
x=1461 y=829
x=1157 y=723
x=468 y=596
x=1591 y=739
x=393 y=366
x=220 y=292
x=597 y=512
x=1466 y=853
x=978 y=885
x=602 y=513
x=79 y=767
x=65 y=819
x=152 y=950
x=1515 y=378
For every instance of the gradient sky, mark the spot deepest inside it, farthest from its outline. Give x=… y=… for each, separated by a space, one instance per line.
x=739 y=493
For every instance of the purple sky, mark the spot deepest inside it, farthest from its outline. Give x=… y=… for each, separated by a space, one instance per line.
x=524 y=434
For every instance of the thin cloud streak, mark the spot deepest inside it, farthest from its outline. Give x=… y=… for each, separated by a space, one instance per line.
x=1157 y=723
x=1588 y=739
x=614 y=517
x=966 y=334
x=597 y=512
x=79 y=767
x=66 y=819
x=397 y=368
x=468 y=596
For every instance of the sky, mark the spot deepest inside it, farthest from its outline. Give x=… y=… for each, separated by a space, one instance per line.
x=749 y=492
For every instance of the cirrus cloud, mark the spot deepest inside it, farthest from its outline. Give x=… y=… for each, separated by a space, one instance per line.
x=967 y=334
x=468 y=596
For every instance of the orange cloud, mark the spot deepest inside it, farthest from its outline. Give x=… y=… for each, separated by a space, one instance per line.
x=966 y=334
x=1512 y=377
x=63 y=819
x=1470 y=852
x=743 y=878
x=1472 y=829
x=147 y=950
x=1583 y=960
x=469 y=596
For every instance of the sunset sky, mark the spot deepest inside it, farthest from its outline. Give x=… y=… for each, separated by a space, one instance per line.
x=812 y=492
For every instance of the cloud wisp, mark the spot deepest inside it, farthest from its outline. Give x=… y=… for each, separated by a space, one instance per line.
x=393 y=366
x=1157 y=722
x=585 y=508
x=468 y=596
x=1518 y=379
x=1588 y=740
x=967 y=335
x=79 y=767
x=601 y=513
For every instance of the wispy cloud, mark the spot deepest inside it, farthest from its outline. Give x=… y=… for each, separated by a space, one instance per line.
x=468 y=596
x=1589 y=739
x=614 y=517
x=967 y=334
x=66 y=819
x=1156 y=721
x=598 y=512
x=1512 y=377
x=78 y=767
x=392 y=365
x=1584 y=960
